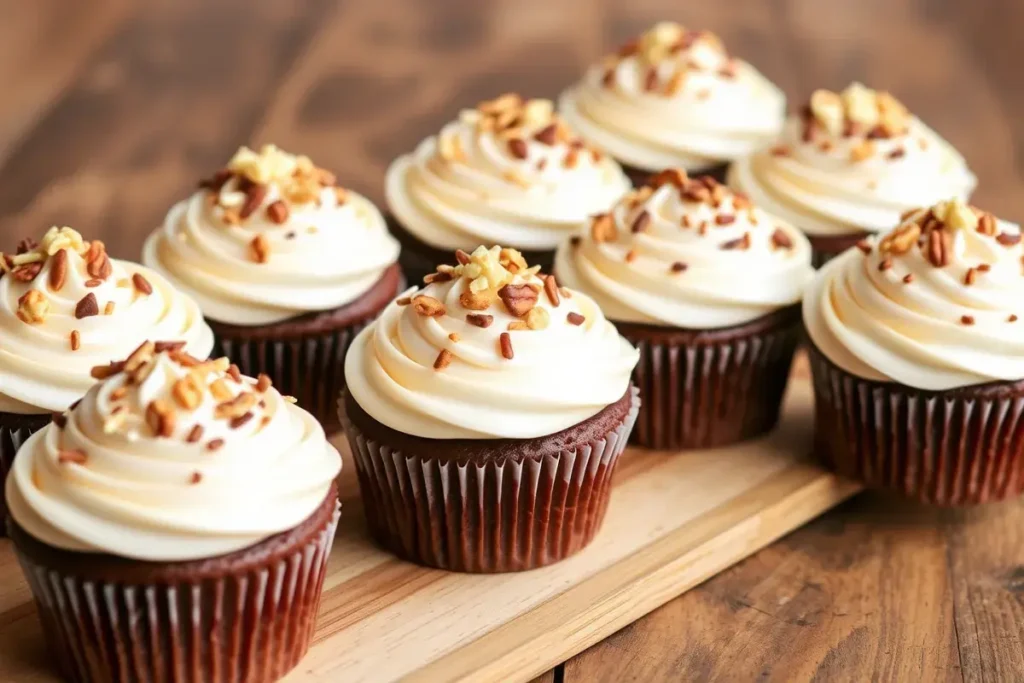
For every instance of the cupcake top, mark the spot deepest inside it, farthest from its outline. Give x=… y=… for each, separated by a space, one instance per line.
x=490 y=348
x=270 y=237
x=65 y=306
x=936 y=304
x=509 y=171
x=169 y=458
x=687 y=252
x=851 y=162
x=674 y=97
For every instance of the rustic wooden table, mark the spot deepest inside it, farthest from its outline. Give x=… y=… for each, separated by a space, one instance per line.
x=110 y=111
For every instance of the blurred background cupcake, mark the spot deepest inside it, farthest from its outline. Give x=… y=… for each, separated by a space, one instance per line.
x=509 y=172
x=486 y=413
x=674 y=97
x=708 y=287
x=917 y=353
x=186 y=496
x=286 y=265
x=847 y=165
x=66 y=306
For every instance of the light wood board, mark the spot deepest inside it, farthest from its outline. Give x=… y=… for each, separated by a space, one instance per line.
x=674 y=520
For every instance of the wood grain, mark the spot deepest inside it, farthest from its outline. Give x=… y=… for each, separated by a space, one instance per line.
x=674 y=520
x=111 y=110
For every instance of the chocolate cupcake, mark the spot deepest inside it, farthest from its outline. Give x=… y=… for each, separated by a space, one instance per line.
x=66 y=306
x=191 y=509
x=708 y=287
x=848 y=165
x=674 y=97
x=509 y=172
x=917 y=354
x=286 y=265
x=486 y=414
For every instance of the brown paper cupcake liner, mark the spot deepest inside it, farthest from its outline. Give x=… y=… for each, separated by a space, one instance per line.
x=957 y=447
x=705 y=389
x=250 y=627
x=310 y=368
x=505 y=515
x=14 y=431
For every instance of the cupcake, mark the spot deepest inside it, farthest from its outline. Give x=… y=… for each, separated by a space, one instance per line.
x=191 y=509
x=917 y=354
x=486 y=414
x=708 y=287
x=65 y=306
x=286 y=266
x=674 y=97
x=848 y=166
x=510 y=172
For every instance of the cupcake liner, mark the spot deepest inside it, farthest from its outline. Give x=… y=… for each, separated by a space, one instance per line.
x=310 y=368
x=958 y=447
x=711 y=389
x=500 y=516
x=252 y=627
x=12 y=434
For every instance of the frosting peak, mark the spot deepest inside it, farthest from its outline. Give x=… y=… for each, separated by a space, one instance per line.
x=171 y=458
x=269 y=237
x=934 y=304
x=687 y=252
x=674 y=97
x=508 y=171
x=852 y=162
x=489 y=348
x=65 y=305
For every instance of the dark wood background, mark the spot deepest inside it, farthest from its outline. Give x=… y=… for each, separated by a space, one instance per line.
x=111 y=109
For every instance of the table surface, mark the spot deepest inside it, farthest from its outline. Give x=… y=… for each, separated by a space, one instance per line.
x=112 y=109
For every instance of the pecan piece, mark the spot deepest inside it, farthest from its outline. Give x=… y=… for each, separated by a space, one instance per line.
x=518 y=299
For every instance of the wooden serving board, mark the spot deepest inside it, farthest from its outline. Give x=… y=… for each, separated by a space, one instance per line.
x=674 y=520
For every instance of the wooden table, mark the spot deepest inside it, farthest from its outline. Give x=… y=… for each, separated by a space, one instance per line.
x=110 y=111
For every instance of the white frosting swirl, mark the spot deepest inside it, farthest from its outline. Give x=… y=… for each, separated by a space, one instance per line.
x=330 y=250
x=39 y=370
x=107 y=483
x=467 y=186
x=688 y=254
x=895 y=317
x=679 y=102
x=840 y=182
x=558 y=376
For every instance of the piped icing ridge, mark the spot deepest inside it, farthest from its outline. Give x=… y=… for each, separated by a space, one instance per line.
x=509 y=171
x=851 y=162
x=934 y=304
x=65 y=306
x=489 y=348
x=674 y=97
x=171 y=458
x=269 y=237
x=687 y=252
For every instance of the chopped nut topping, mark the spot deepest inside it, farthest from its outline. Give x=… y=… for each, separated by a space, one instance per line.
x=908 y=278
x=1012 y=318
x=724 y=219
x=215 y=445
x=454 y=337
x=278 y=212
x=259 y=249
x=27 y=272
x=479 y=320
x=428 y=306
x=187 y=392
x=738 y=243
x=87 y=307
x=518 y=299
x=462 y=257
x=551 y=289
x=538 y=318
x=263 y=383
x=195 y=478
x=862 y=151
x=970 y=276
x=160 y=417
x=505 y=344
x=476 y=301
x=940 y=248
x=602 y=229
x=641 y=222
x=240 y=421
x=33 y=307
x=76 y=340
x=575 y=318
x=517 y=148
x=404 y=301
x=1008 y=240
x=900 y=240
x=864 y=246
x=58 y=270
x=967 y=319
x=142 y=285
x=235 y=407
x=444 y=359
x=885 y=264
x=780 y=240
